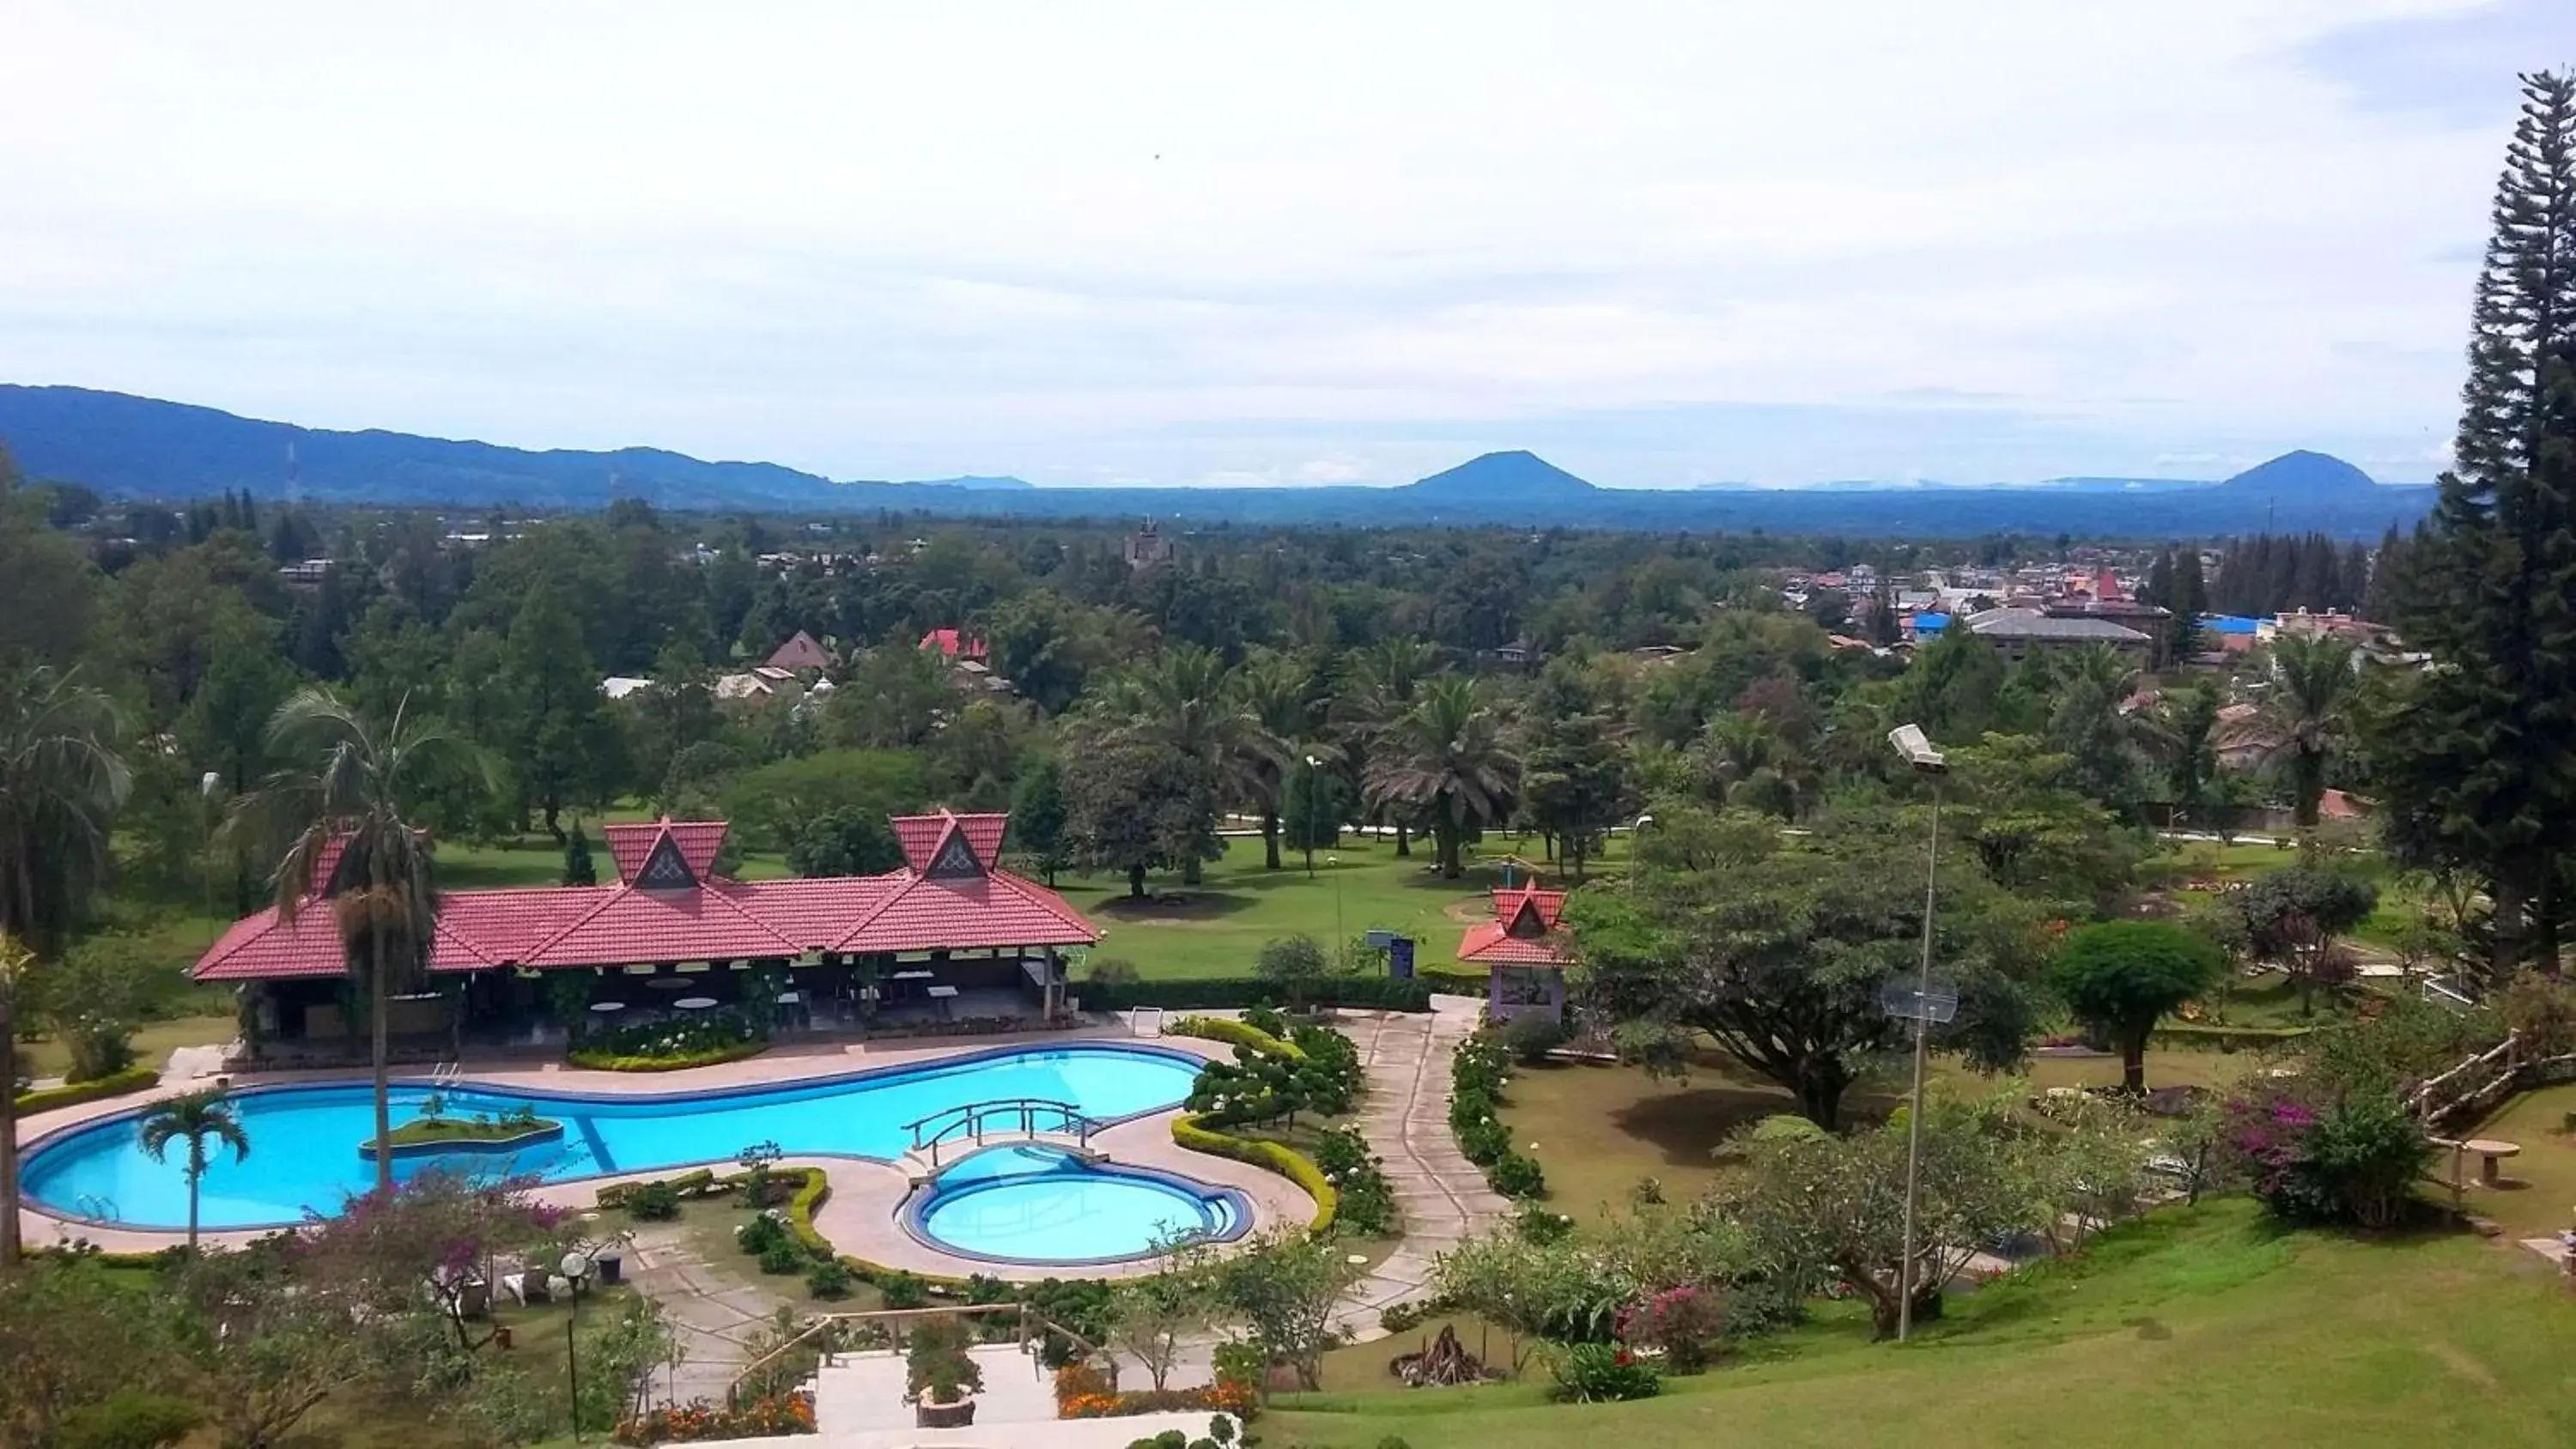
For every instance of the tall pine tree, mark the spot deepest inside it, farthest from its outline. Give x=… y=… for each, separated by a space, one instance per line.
x=2483 y=772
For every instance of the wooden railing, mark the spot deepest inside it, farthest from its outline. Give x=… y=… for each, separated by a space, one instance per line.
x=1033 y=1326
x=2478 y=1082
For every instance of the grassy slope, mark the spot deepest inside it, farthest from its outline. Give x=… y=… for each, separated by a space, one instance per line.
x=2193 y=1327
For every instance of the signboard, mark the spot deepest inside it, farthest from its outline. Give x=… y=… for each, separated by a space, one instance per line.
x=1399 y=958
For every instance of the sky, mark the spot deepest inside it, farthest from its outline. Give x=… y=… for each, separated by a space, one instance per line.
x=1224 y=245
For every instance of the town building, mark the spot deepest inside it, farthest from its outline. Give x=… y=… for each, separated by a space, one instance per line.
x=2017 y=633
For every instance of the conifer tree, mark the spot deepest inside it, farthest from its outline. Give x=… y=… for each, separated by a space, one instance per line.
x=2486 y=765
x=2188 y=598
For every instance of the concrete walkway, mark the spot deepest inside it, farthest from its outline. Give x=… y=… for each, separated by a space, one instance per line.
x=1405 y=1118
x=715 y=1314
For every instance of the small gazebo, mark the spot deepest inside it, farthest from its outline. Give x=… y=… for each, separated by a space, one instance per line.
x=1522 y=951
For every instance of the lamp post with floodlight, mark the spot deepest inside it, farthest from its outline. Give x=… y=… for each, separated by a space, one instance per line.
x=575 y=1268
x=1923 y=1007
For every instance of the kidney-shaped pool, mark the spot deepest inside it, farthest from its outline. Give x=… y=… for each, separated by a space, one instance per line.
x=304 y=1141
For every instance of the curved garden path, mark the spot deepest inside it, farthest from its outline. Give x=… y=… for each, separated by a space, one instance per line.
x=1405 y=1118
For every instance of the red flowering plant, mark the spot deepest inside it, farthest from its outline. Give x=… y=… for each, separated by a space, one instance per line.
x=1683 y=1324
x=699 y=1419
x=439 y=1231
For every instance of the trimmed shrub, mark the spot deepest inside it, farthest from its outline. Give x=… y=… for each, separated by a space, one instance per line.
x=1530 y=1038
x=652 y=1202
x=605 y=1061
x=828 y=1279
x=1383 y=993
x=1602 y=1373
x=116 y=1084
x=1517 y=1175
x=1235 y=1033
x=129 y=1419
x=782 y=1256
x=801 y=1207
x=1287 y=1162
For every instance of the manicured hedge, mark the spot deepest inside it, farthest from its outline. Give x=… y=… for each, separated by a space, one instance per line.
x=2224 y=1038
x=1455 y=983
x=687 y=1184
x=801 y=1208
x=1212 y=992
x=115 y=1084
x=1235 y=1033
x=1286 y=1161
x=729 y=1052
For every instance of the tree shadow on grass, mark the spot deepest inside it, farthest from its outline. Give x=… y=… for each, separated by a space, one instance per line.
x=1687 y=1125
x=1183 y=903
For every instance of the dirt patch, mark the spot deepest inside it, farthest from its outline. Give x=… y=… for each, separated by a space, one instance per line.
x=1469 y=913
x=2466 y=1367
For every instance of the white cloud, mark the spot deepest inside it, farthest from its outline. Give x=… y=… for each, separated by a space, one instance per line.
x=1064 y=241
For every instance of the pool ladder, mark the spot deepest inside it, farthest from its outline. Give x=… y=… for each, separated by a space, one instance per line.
x=98 y=1208
x=444 y=1074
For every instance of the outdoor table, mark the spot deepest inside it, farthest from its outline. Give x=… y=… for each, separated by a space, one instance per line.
x=2491 y=1152
x=788 y=998
x=604 y=1007
x=944 y=995
x=695 y=1003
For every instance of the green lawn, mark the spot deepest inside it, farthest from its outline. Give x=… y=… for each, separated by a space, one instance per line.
x=2190 y=1327
x=1599 y=1130
x=2539 y=1195
x=1219 y=926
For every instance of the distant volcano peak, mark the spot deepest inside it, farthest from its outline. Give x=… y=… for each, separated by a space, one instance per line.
x=1509 y=477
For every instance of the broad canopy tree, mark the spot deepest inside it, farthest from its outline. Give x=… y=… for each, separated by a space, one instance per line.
x=2120 y=977
x=1781 y=957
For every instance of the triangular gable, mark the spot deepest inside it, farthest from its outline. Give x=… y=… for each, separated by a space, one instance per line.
x=666 y=869
x=955 y=859
x=1527 y=921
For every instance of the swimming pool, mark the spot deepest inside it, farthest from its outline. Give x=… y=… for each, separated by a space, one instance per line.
x=304 y=1140
x=1040 y=1204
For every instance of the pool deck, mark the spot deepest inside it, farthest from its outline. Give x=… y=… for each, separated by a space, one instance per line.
x=860 y=1216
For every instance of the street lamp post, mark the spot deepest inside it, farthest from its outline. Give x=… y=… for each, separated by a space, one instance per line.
x=1918 y=751
x=575 y=1268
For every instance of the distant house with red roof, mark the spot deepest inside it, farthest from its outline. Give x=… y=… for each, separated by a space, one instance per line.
x=1523 y=951
x=951 y=913
x=955 y=643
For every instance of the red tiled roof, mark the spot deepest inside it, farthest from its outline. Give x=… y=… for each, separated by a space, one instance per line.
x=955 y=643
x=924 y=914
x=620 y=924
x=699 y=842
x=632 y=927
x=922 y=835
x=1523 y=931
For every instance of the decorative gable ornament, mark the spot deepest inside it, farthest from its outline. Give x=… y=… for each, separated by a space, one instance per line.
x=955 y=859
x=666 y=869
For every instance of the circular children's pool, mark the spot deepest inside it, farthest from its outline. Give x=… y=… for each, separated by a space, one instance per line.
x=1037 y=1204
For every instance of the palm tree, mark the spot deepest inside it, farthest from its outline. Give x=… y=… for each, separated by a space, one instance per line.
x=1186 y=701
x=61 y=782
x=1445 y=758
x=17 y=963
x=1277 y=691
x=1747 y=763
x=2182 y=731
x=344 y=808
x=197 y=1117
x=1375 y=692
x=2311 y=689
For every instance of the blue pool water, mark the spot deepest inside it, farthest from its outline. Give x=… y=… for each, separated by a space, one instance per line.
x=304 y=1140
x=1035 y=1204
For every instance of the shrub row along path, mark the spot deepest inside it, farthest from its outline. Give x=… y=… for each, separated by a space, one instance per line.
x=1405 y=1118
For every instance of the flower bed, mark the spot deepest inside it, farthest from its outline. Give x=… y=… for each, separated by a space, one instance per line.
x=786 y=1414
x=1084 y=1392
x=666 y=1046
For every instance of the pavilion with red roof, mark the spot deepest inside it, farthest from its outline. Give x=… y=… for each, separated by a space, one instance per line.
x=951 y=917
x=1522 y=949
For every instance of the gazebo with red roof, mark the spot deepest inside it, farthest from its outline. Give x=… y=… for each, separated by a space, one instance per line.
x=951 y=916
x=1522 y=949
